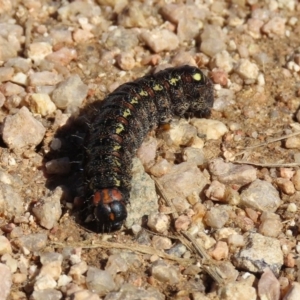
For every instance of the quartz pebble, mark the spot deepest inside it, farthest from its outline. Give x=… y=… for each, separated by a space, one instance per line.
x=268 y=286
x=229 y=173
x=211 y=129
x=70 y=93
x=258 y=253
x=216 y=217
x=99 y=281
x=165 y=273
x=22 y=130
x=158 y=222
x=260 y=195
x=293 y=293
x=41 y=104
x=237 y=291
x=48 y=210
x=6 y=281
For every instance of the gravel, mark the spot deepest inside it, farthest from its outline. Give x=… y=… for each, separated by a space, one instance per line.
x=232 y=181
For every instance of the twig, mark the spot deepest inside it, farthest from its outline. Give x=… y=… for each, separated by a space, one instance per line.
x=267 y=165
x=135 y=248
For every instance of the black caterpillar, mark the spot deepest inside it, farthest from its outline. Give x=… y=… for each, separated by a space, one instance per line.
x=125 y=117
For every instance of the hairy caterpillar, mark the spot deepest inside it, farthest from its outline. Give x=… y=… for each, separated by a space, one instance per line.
x=117 y=131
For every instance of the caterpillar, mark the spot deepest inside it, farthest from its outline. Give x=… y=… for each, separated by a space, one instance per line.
x=124 y=118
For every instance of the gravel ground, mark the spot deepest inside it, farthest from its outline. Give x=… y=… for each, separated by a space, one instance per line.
x=214 y=210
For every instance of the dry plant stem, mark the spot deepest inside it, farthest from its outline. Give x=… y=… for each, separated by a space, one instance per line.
x=267 y=165
x=134 y=248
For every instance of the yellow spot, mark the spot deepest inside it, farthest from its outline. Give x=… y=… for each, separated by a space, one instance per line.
x=126 y=113
x=117 y=163
x=117 y=182
x=197 y=76
x=158 y=87
x=120 y=128
x=174 y=80
x=117 y=147
x=143 y=93
x=134 y=100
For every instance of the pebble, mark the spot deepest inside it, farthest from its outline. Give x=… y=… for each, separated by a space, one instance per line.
x=161 y=168
x=5 y=246
x=116 y=264
x=220 y=251
x=229 y=173
x=32 y=242
x=39 y=50
x=293 y=142
x=7 y=49
x=183 y=180
x=260 y=195
x=99 y=281
x=77 y=270
x=212 y=40
x=258 y=253
x=216 y=191
x=5 y=282
x=164 y=272
x=44 y=282
x=147 y=152
x=70 y=93
x=11 y=89
x=238 y=290
x=63 y=56
x=48 y=210
x=178 y=250
x=19 y=64
x=22 y=130
x=41 y=104
x=180 y=133
x=294 y=292
x=128 y=292
x=285 y=185
x=11 y=202
x=195 y=155
x=46 y=294
x=158 y=222
x=275 y=26
x=44 y=78
x=247 y=69
x=211 y=129
x=6 y=73
x=270 y=226
x=223 y=61
x=268 y=286
x=143 y=187
x=161 y=243
x=160 y=40
x=216 y=217
x=236 y=240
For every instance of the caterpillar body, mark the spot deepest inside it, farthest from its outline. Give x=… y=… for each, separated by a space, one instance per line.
x=117 y=131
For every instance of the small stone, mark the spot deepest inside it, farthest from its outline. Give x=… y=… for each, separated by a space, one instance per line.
x=285 y=186
x=258 y=253
x=11 y=89
x=5 y=246
x=48 y=210
x=260 y=195
x=6 y=281
x=211 y=129
x=158 y=222
x=70 y=93
x=220 y=251
x=126 y=61
x=182 y=223
x=19 y=64
x=11 y=203
x=223 y=61
x=212 y=40
x=41 y=104
x=147 y=152
x=62 y=56
x=275 y=26
x=160 y=40
x=216 y=217
x=45 y=78
x=236 y=240
x=216 y=191
x=296 y=180
x=101 y=282
x=193 y=154
x=247 y=69
x=78 y=269
x=236 y=291
x=164 y=273
x=229 y=173
x=293 y=142
x=161 y=243
x=46 y=294
x=162 y=167
x=44 y=282
x=39 y=50
x=6 y=74
x=116 y=264
x=270 y=227
x=22 y=130
x=293 y=293
x=32 y=242
x=289 y=260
